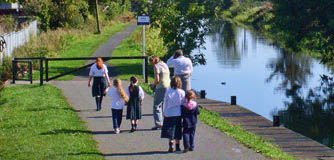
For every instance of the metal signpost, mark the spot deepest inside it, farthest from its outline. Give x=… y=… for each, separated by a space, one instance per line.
x=143 y=20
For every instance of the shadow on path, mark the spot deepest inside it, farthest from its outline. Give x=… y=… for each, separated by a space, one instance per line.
x=69 y=131
x=123 y=154
x=143 y=115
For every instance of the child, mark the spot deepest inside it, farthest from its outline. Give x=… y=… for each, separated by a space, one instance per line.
x=171 y=128
x=136 y=96
x=118 y=98
x=189 y=111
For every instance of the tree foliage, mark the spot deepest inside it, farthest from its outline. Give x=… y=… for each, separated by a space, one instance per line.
x=306 y=24
x=184 y=23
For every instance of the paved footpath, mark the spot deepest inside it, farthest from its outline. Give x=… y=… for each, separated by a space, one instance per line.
x=144 y=143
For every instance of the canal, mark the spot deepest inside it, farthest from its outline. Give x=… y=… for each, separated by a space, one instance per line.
x=267 y=80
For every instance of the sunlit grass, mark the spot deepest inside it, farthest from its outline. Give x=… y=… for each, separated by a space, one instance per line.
x=36 y=122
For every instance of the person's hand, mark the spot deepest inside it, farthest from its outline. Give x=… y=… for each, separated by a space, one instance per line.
x=152 y=86
x=109 y=84
x=89 y=83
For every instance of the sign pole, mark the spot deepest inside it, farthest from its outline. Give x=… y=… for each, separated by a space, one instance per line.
x=143 y=20
x=143 y=50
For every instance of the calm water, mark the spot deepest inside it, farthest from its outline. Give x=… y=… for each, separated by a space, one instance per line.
x=267 y=80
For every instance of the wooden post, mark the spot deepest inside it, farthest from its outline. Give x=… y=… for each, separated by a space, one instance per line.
x=30 y=72
x=41 y=71
x=146 y=76
x=97 y=17
x=14 y=70
x=233 y=100
x=202 y=94
x=276 y=122
x=46 y=70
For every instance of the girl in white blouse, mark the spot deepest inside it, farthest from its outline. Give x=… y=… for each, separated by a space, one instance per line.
x=118 y=99
x=99 y=72
x=171 y=128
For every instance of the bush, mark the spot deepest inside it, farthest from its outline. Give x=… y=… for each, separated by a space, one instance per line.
x=55 y=14
x=7 y=24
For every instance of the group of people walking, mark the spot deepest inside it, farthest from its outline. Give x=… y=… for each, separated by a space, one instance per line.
x=174 y=108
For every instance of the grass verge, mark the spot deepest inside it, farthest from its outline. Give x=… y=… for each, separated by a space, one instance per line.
x=132 y=67
x=38 y=123
x=250 y=140
x=79 y=46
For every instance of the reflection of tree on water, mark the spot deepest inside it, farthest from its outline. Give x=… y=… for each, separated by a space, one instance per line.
x=293 y=69
x=224 y=35
x=313 y=115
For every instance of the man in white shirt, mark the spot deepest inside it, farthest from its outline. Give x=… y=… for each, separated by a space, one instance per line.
x=183 y=68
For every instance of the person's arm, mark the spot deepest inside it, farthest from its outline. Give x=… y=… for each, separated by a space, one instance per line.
x=108 y=91
x=156 y=78
x=141 y=93
x=165 y=104
x=171 y=62
x=191 y=66
x=106 y=75
x=198 y=110
x=90 y=76
x=108 y=80
x=90 y=81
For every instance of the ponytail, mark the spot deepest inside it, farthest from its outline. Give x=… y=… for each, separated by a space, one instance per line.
x=133 y=81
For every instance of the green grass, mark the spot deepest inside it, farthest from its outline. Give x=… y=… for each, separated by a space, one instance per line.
x=128 y=68
x=38 y=123
x=250 y=140
x=80 y=47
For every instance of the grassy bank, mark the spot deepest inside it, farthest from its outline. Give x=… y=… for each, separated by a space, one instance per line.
x=69 y=44
x=38 y=123
x=262 y=17
x=248 y=139
x=132 y=47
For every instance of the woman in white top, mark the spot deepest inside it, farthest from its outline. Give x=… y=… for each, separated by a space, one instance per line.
x=136 y=96
x=118 y=99
x=100 y=73
x=171 y=128
x=160 y=85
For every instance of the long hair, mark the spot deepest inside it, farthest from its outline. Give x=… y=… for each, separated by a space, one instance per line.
x=190 y=95
x=118 y=85
x=99 y=63
x=176 y=83
x=133 y=81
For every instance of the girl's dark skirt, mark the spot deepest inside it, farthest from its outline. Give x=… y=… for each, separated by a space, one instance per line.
x=171 y=128
x=99 y=86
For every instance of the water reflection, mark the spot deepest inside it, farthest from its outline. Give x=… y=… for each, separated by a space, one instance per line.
x=266 y=78
x=224 y=38
x=290 y=69
x=312 y=115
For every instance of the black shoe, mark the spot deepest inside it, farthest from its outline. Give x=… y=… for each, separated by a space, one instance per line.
x=132 y=130
x=156 y=128
x=191 y=149
x=178 y=149
x=171 y=150
x=186 y=149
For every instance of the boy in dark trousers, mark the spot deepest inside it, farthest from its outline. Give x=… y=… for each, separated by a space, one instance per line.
x=189 y=110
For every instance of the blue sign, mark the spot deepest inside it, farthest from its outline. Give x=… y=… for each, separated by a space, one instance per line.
x=143 y=20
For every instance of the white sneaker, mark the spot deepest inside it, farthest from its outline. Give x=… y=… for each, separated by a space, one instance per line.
x=117 y=131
